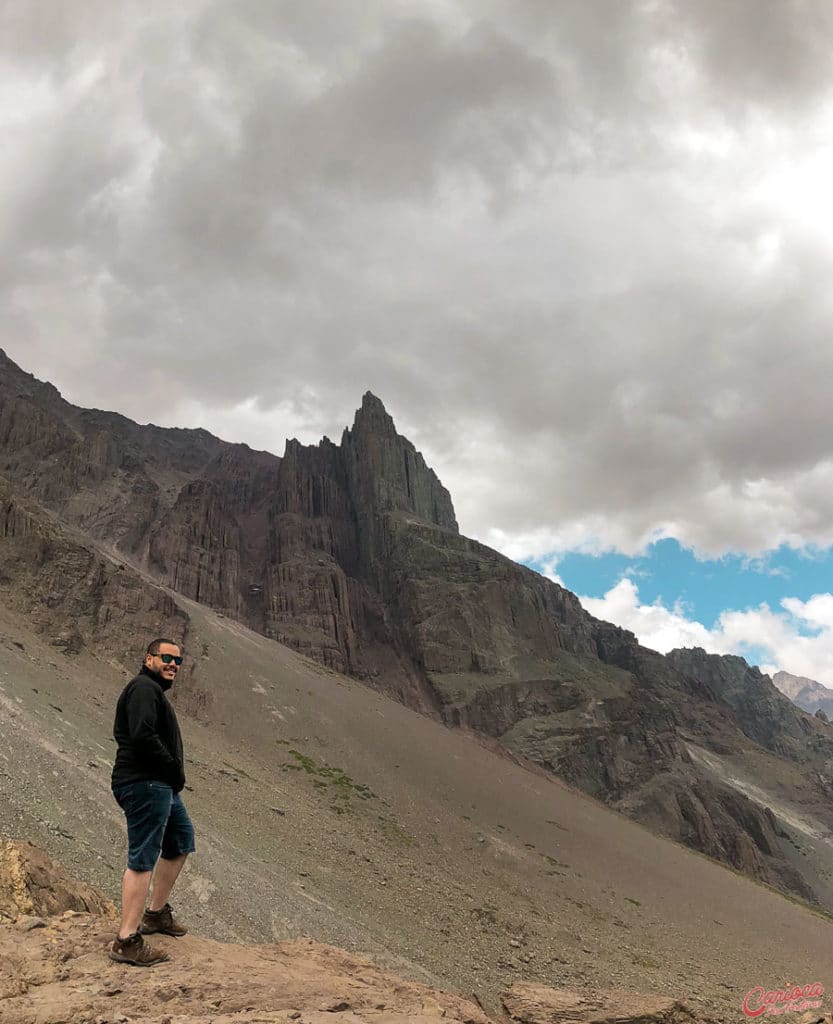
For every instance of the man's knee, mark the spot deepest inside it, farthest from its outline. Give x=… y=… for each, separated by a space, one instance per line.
x=137 y=876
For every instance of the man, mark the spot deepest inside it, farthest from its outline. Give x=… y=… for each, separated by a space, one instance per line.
x=148 y=777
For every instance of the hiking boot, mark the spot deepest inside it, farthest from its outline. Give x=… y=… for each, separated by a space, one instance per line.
x=162 y=922
x=134 y=950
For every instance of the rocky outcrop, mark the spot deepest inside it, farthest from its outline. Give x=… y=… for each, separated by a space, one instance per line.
x=529 y=1003
x=34 y=885
x=60 y=972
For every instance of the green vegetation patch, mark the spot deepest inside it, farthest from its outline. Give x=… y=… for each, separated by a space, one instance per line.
x=327 y=776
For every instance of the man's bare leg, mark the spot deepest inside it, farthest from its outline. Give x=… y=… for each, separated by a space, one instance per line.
x=167 y=872
x=134 y=893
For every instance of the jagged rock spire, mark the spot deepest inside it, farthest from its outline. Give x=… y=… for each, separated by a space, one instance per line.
x=387 y=473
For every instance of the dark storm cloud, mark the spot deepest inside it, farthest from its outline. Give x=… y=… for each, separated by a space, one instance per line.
x=577 y=248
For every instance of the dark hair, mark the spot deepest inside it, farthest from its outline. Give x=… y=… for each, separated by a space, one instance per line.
x=154 y=645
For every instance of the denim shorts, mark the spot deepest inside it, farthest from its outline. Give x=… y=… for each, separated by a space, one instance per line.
x=157 y=823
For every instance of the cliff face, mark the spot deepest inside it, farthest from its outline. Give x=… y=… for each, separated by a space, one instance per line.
x=97 y=470
x=72 y=593
x=763 y=713
x=350 y=553
x=211 y=543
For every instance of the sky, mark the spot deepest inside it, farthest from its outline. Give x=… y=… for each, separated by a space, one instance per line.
x=580 y=249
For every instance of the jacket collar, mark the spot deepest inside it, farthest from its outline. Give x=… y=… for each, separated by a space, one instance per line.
x=166 y=684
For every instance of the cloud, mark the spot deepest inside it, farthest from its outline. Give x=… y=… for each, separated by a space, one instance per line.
x=576 y=248
x=798 y=638
x=767 y=53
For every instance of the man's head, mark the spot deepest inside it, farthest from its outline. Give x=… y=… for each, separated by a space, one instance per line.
x=163 y=658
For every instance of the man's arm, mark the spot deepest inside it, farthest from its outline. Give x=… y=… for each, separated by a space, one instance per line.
x=143 y=727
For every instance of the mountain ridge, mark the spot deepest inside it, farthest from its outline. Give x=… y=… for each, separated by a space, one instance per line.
x=809 y=694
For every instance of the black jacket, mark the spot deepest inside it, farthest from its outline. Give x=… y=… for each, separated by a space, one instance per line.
x=147 y=734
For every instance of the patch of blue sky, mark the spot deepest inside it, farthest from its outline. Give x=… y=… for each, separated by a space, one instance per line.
x=701 y=588
x=753 y=654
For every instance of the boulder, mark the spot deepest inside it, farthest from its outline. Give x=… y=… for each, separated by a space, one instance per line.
x=529 y=1003
x=34 y=885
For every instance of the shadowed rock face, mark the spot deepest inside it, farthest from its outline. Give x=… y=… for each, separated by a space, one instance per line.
x=98 y=470
x=350 y=553
x=73 y=593
x=764 y=714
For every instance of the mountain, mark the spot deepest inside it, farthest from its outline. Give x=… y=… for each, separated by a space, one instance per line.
x=806 y=693
x=350 y=554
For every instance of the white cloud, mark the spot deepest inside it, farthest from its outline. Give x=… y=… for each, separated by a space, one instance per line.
x=817 y=612
x=796 y=639
x=654 y=625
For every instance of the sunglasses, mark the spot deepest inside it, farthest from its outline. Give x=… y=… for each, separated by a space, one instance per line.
x=168 y=658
